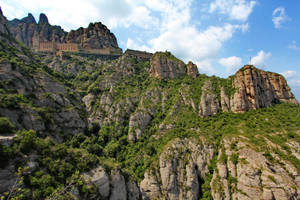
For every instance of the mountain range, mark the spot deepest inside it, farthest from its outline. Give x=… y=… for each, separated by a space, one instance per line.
x=137 y=125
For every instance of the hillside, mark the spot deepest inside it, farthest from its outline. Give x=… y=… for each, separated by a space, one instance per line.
x=142 y=126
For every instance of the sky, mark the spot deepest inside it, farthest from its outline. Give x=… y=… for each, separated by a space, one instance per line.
x=220 y=36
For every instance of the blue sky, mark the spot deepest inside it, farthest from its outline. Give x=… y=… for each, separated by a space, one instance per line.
x=219 y=36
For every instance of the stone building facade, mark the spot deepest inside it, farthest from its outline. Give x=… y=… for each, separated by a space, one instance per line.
x=56 y=47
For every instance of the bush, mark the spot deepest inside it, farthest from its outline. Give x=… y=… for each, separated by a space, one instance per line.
x=26 y=140
x=6 y=127
x=12 y=100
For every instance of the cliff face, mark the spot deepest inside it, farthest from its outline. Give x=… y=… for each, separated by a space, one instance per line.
x=252 y=89
x=3 y=23
x=27 y=30
x=95 y=36
x=256 y=89
x=165 y=65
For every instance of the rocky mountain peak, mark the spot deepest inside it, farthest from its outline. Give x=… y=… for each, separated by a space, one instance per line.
x=95 y=36
x=256 y=88
x=3 y=23
x=43 y=19
x=29 y=19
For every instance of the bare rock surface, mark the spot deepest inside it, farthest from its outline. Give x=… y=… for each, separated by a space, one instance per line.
x=209 y=104
x=165 y=65
x=257 y=88
x=99 y=177
x=192 y=69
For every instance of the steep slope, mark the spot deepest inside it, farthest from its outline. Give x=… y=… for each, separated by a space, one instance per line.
x=78 y=127
x=31 y=97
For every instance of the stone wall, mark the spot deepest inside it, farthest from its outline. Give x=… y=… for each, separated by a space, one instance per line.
x=72 y=47
x=46 y=46
x=105 y=51
x=140 y=54
x=68 y=47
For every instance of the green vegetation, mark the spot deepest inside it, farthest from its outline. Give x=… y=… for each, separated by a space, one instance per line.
x=6 y=127
x=61 y=157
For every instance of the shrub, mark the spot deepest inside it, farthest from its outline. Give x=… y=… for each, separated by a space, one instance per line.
x=6 y=126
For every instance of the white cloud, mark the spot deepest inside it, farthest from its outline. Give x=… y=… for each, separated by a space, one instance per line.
x=294 y=46
x=279 y=17
x=161 y=24
x=72 y=14
x=184 y=40
x=260 y=58
x=289 y=74
x=231 y=63
x=235 y=9
x=294 y=82
x=293 y=79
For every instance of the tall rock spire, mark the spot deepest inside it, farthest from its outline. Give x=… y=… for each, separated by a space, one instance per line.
x=43 y=19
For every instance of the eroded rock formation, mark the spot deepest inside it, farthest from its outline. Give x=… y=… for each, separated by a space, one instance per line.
x=95 y=36
x=165 y=65
x=257 y=88
x=192 y=69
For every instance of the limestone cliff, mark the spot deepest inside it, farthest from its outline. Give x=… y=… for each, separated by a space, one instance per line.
x=257 y=88
x=165 y=65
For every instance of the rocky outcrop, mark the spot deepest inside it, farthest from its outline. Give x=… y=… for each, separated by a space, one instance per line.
x=250 y=175
x=165 y=65
x=181 y=166
x=100 y=179
x=137 y=123
x=133 y=192
x=29 y=19
x=7 y=177
x=95 y=36
x=118 y=191
x=139 y=54
x=27 y=30
x=225 y=101
x=150 y=187
x=113 y=186
x=192 y=69
x=257 y=88
x=209 y=104
x=43 y=19
x=252 y=89
x=3 y=23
